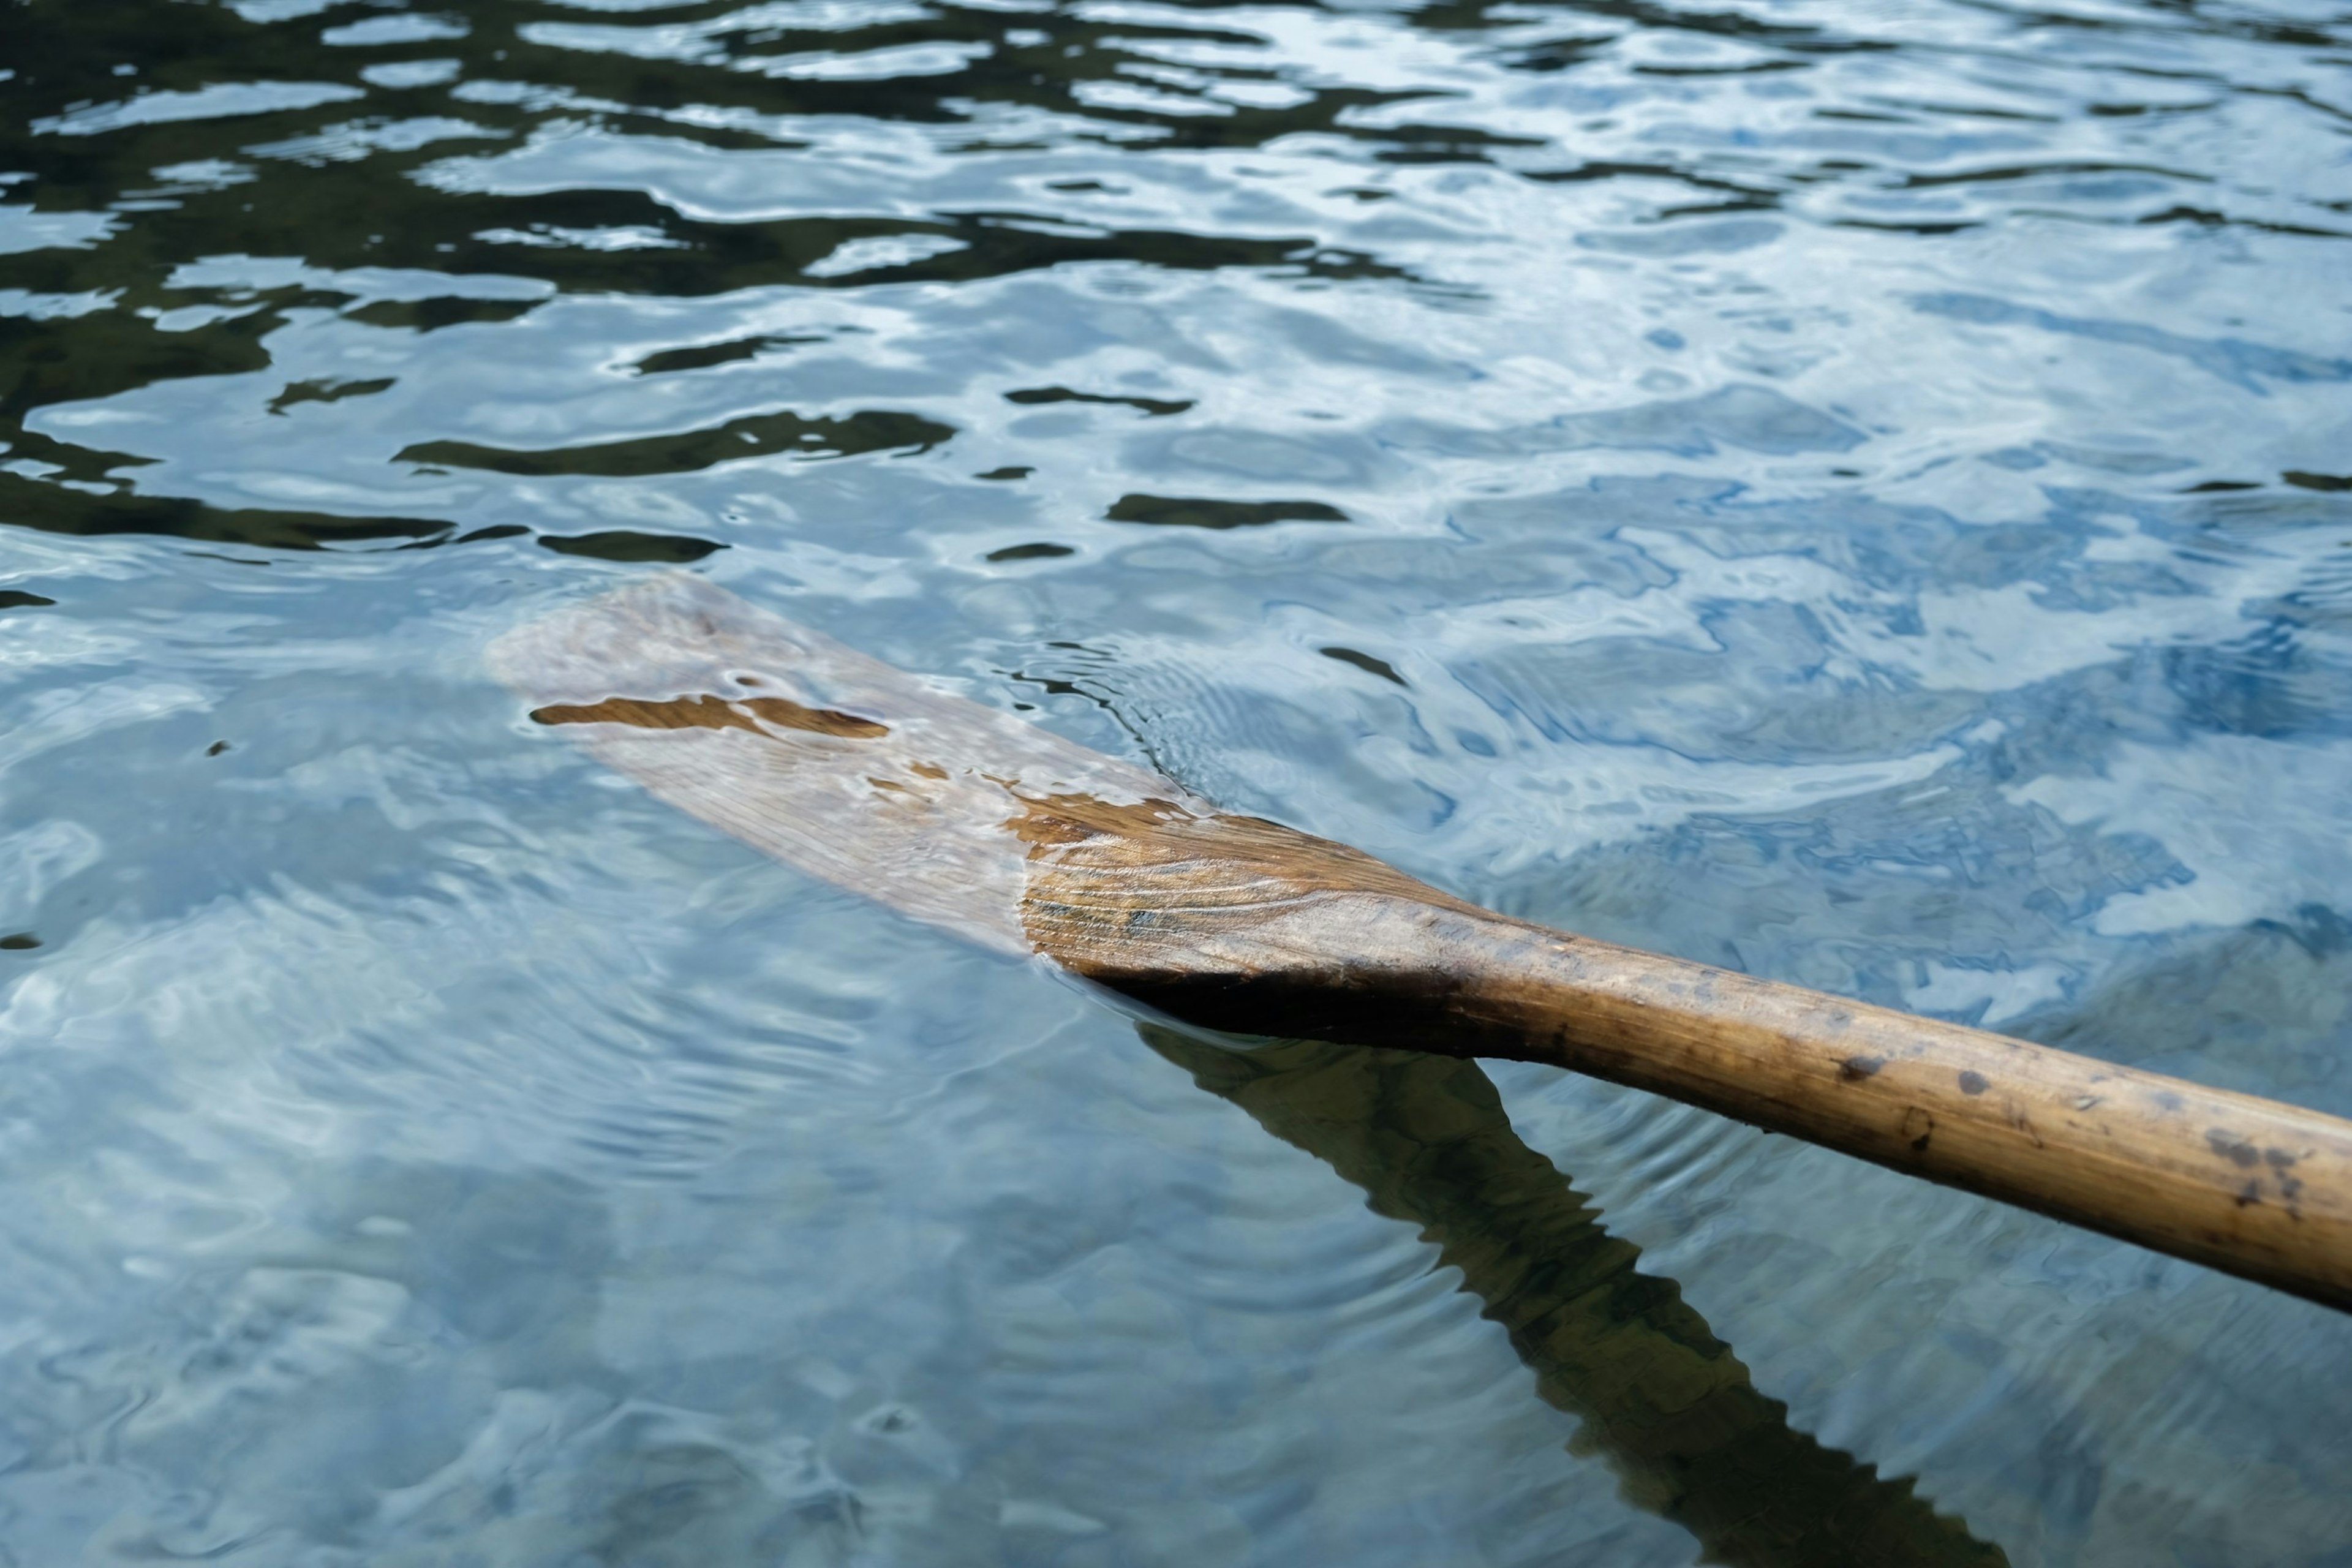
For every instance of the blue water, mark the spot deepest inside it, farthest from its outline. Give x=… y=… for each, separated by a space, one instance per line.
x=1858 y=494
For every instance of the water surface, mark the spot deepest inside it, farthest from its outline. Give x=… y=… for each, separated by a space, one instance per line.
x=1857 y=494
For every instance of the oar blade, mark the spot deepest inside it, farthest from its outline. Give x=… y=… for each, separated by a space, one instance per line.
x=836 y=764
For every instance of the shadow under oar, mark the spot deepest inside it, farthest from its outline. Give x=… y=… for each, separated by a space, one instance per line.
x=1662 y=1401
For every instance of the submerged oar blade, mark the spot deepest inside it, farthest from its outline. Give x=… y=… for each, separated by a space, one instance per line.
x=832 y=762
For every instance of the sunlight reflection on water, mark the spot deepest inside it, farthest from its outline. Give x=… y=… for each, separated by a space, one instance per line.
x=1854 y=496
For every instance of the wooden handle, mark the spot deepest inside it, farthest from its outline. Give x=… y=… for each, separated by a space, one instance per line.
x=2246 y=1185
x=1287 y=935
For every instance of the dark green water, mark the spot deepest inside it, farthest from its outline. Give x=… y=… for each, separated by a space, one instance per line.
x=1862 y=495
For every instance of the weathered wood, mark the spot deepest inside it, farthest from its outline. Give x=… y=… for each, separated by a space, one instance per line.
x=973 y=820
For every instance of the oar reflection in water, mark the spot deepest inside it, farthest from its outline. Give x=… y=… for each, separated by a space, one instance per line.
x=1662 y=1400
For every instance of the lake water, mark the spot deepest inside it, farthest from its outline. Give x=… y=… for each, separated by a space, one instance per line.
x=1858 y=494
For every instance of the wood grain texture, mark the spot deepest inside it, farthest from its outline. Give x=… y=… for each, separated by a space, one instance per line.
x=1318 y=943
x=1010 y=836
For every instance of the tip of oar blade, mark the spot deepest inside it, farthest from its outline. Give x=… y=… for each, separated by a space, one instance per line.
x=839 y=764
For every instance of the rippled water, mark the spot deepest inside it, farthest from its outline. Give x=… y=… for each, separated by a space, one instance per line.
x=1860 y=494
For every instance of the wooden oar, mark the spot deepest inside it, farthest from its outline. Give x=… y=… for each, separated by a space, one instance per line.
x=1010 y=836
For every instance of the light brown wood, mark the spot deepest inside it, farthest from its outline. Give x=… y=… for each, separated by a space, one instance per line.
x=967 y=818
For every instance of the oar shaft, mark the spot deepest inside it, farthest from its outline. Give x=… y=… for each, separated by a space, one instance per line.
x=2243 y=1184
